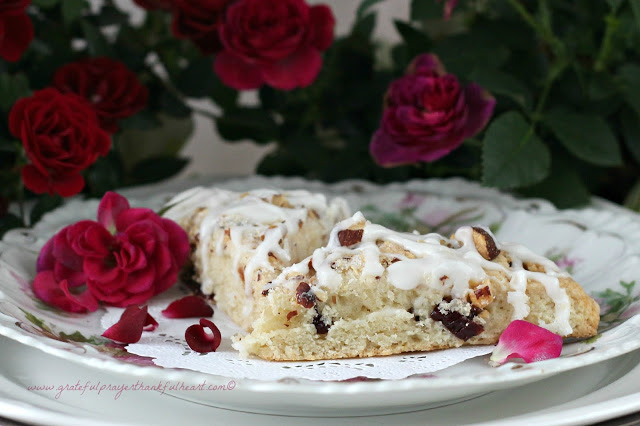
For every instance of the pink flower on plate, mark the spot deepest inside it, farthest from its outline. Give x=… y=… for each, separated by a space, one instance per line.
x=522 y=339
x=427 y=114
x=126 y=257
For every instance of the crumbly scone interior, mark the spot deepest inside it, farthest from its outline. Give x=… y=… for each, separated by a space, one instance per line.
x=373 y=291
x=241 y=241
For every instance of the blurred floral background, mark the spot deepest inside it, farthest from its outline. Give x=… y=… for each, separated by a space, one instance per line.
x=541 y=98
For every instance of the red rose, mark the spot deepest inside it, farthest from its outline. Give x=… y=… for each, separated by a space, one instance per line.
x=16 y=29
x=154 y=4
x=277 y=42
x=125 y=258
x=140 y=259
x=114 y=90
x=198 y=21
x=428 y=114
x=61 y=136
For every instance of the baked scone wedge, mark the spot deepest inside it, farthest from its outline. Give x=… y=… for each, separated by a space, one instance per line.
x=241 y=241
x=373 y=291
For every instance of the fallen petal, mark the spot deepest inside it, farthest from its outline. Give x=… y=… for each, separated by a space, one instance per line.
x=150 y=323
x=129 y=327
x=522 y=339
x=188 y=307
x=201 y=341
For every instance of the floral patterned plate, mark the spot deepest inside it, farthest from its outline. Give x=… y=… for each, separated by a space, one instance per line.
x=600 y=246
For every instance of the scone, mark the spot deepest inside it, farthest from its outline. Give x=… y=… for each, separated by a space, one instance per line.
x=373 y=291
x=240 y=241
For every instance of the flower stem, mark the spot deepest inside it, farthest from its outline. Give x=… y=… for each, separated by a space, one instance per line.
x=543 y=28
x=613 y=24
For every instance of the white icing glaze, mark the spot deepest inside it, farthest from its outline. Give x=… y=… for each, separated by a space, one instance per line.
x=440 y=263
x=248 y=217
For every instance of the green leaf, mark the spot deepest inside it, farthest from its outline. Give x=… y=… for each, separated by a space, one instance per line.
x=8 y=222
x=72 y=10
x=417 y=42
x=631 y=132
x=364 y=26
x=587 y=136
x=197 y=79
x=630 y=75
x=144 y=120
x=513 y=155
x=422 y=10
x=45 y=4
x=247 y=123
x=45 y=204
x=501 y=83
x=563 y=187
x=158 y=168
x=12 y=88
x=105 y=175
x=635 y=8
x=174 y=106
x=364 y=7
x=98 y=44
x=110 y=15
x=167 y=139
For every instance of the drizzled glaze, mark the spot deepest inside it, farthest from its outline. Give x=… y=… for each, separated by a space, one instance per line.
x=249 y=217
x=457 y=260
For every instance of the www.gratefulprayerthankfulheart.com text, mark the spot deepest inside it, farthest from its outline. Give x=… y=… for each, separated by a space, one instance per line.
x=115 y=390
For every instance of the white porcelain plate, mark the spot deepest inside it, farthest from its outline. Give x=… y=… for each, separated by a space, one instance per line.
x=600 y=246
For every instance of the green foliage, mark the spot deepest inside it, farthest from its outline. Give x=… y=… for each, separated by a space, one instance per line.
x=587 y=136
x=12 y=88
x=513 y=155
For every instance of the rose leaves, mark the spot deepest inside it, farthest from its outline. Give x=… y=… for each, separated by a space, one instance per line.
x=522 y=339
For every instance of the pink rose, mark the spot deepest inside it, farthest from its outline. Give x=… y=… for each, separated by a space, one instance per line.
x=428 y=114
x=274 y=42
x=128 y=256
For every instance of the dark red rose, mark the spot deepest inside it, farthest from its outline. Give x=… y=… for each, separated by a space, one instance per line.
x=198 y=21
x=428 y=114
x=125 y=258
x=114 y=90
x=16 y=29
x=274 y=42
x=154 y=4
x=61 y=136
x=139 y=260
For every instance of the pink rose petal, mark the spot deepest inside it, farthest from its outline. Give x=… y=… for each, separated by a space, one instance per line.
x=199 y=340
x=522 y=339
x=129 y=327
x=188 y=307
x=110 y=207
